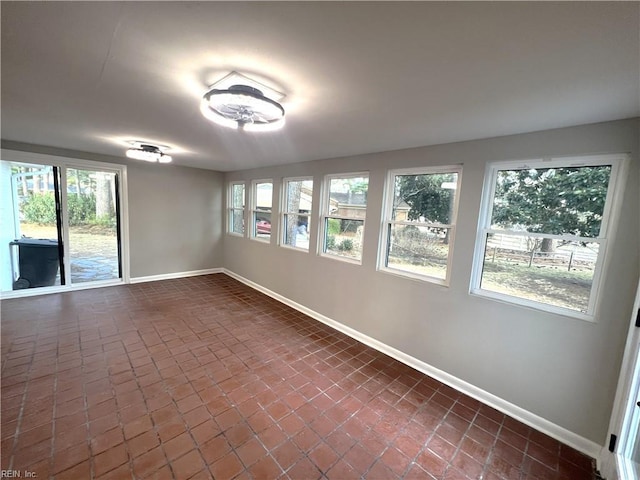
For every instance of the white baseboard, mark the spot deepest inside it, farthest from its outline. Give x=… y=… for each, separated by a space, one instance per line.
x=30 y=292
x=170 y=276
x=33 y=292
x=561 y=434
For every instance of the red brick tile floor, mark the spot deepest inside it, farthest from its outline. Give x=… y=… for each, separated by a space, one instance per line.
x=206 y=378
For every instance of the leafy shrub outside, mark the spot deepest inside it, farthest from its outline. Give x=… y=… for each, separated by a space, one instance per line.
x=345 y=245
x=333 y=226
x=41 y=209
x=82 y=209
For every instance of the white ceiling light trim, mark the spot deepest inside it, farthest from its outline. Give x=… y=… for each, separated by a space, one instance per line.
x=235 y=78
x=264 y=127
x=243 y=105
x=148 y=153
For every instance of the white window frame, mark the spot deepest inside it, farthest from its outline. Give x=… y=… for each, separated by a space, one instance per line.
x=387 y=222
x=232 y=209
x=284 y=212
x=253 y=232
x=325 y=214
x=610 y=215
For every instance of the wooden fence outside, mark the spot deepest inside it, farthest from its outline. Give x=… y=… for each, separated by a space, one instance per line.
x=516 y=249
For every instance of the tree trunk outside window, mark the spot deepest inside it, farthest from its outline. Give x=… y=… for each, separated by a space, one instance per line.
x=104 y=206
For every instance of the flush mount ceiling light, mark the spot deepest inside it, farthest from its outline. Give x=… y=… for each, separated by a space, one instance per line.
x=242 y=105
x=148 y=153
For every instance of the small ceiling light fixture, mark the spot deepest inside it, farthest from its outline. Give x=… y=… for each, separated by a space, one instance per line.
x=242 y=105
x=148 y=153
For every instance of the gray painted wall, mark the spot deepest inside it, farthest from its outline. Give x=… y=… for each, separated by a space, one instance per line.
x=175 y=213
x=562 y=369
x=175 y=219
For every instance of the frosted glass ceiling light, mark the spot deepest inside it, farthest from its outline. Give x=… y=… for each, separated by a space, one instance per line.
x=148 y=153
x=240 y=106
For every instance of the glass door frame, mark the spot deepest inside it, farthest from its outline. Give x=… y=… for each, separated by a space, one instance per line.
x=629 y=468
x=625 y=418
x=63 y=164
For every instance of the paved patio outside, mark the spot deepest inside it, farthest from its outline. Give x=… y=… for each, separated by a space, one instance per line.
x=93 y=251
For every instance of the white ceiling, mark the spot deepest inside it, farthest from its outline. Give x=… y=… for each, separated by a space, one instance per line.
x=358 y=77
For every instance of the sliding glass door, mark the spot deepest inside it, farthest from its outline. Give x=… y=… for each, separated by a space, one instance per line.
x=92 y=220
x=60 y=224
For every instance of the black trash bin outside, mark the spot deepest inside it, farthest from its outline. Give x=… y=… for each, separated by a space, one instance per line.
x=38 y=262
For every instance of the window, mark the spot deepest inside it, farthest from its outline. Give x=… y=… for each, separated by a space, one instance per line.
x=236 y=208
x=344 y=212
x=543 y=232
x=419 y=220
x=296 y=211
x=261 y=210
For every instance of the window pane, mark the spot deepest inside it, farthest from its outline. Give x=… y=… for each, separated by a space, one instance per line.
x=348 y=197
x=568 y=200
x=28 y=227
x=262 y=200
x=264 y=196
x=544 y=270
x=296 y=231
x=299 y=194
x=93 y=239
x=420 y=250
x=263 y=224
x=237 y=194
x=428 y=198
x=236 y=221
x=344 y=237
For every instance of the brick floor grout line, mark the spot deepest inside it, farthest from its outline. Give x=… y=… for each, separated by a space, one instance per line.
x=493 y=446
